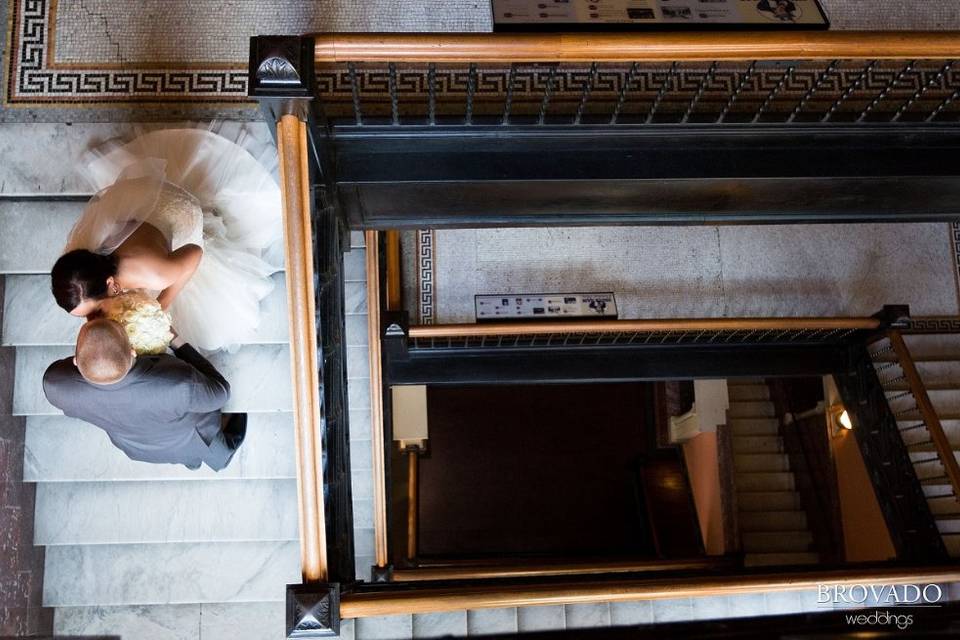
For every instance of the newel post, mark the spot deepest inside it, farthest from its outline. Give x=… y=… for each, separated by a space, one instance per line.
x=281 y=78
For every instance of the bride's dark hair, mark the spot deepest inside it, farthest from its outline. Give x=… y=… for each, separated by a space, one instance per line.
x=80 y=275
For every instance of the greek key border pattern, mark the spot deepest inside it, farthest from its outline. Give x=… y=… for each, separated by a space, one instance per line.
x=426 y=272
x=32 y=78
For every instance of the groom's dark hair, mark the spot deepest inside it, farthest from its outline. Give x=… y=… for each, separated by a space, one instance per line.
x=80 y=275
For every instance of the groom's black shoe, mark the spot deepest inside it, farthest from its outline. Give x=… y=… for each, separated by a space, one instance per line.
x=234 y=429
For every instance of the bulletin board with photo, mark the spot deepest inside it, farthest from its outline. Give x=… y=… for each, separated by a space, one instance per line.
x=656 y=15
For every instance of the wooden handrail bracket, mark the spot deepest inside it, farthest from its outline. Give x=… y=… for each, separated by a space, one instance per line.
x=634 y=47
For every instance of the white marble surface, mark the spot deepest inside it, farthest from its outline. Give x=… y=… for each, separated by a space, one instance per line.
x=452 y=624
x=384 y=628
x=169 y=573
x=792 y=270
x=250 y=621
x=74 y=513
x=33 y=233
x=546 y=618
x=31 y=315
x=258 y=374
x=491 y=621
x=587 y=616
x=61 y=449
x=214 y=621
x=51 y=168
x=164 y=622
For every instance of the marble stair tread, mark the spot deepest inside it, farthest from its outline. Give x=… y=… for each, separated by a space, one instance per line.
x=750 y=409
x=758 y=462
x=258 y=375
x=31 y=316
x=83 y=513
x=176 y=573
x=34 y=233
x=945 y=401
x=780 y=559
x=777 y=541
x=35 y=175
x=743 y=392
x=61 y=449
x=210 y=621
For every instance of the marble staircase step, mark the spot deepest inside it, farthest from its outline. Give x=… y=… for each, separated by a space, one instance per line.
x=777 y=541
x=919 y=437
x=748 y=392
x=34 y=233
x=751 y=409
x=61 y=449
x=945 y=402
x=176 y=573
x=35 y=175
x=750 y=462
x=253 y=372
x=754 y=426
x=86 y=513
x=31 y=316
x=772 y=520
x=757 y=444
x=767 y=501
x=209 y=621
x=765 y=481
x=939 y=371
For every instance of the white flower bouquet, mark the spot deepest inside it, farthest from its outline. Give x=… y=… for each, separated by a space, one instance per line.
x=146 y=323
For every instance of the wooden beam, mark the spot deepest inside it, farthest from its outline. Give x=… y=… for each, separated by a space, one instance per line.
x=298 y=249
x=372 y=241
x=404 y=600
x=927 y=411
x=617 y=326
x=635 y=47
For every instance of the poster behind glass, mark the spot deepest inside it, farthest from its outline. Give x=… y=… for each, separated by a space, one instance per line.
x=626 y=15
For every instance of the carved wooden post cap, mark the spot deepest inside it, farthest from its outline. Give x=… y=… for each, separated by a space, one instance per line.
x=281 y=67
x=313 y=611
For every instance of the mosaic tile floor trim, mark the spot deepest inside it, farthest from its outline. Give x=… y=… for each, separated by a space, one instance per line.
x=105 y=52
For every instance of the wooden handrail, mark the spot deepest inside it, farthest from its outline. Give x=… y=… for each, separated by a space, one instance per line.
x=298 y=249
x=634 y=47
x=940 y=441
x=385 y=602
x=544 y=569
x=413 y=495
x=392 y=255
x=377 y=445
x=617 y=326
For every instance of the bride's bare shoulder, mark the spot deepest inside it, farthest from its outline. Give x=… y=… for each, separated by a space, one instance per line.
x=143 y=260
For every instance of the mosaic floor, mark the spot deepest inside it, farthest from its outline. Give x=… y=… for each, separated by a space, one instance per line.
x=112 y=52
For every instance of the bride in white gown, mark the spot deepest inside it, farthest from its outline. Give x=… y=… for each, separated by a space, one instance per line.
x=185 y=213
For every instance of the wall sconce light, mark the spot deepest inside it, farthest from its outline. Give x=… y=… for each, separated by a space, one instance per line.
x=840 y=419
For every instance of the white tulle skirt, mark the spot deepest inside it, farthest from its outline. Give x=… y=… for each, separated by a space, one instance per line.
x=231 y=180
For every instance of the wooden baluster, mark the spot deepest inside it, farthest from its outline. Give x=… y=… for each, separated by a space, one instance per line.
x=940 y=441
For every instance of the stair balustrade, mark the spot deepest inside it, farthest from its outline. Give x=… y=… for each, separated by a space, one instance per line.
x=391 y=131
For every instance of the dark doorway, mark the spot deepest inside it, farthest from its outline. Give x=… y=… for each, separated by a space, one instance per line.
x=536 y=470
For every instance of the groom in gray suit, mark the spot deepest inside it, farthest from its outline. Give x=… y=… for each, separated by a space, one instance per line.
x=155 y=408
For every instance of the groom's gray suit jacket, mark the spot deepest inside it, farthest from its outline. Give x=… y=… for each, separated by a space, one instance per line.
x=166 y=409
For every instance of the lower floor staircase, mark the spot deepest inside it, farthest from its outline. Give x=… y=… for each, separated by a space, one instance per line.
x=937 y=360
x=771 y=520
